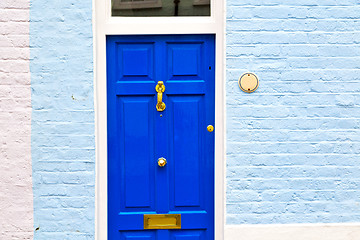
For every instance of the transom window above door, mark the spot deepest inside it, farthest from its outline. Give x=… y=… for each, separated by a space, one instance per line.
x=158 y=8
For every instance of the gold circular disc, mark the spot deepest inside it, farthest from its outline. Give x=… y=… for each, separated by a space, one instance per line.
x=248 y=82
x=210 y=128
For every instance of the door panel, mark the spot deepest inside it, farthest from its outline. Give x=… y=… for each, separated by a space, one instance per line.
x=187 y=235
x=185 y=144
x=139 y=176
x=138 y=135
x=135 y=61
x=186 y=153
x=137 y=235
x=185 y=61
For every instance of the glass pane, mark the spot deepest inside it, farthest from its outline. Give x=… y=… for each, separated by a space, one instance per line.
x=153 y=8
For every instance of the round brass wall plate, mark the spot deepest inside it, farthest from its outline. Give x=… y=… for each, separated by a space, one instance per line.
x=248 y=82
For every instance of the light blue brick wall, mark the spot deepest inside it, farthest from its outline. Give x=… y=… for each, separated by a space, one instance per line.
x=293 y=146
x=63 y=155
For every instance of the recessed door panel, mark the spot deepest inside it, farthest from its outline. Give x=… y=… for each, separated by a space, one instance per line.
x=137 y=235
x=187 y=235
x=186 y=148
x=185 y=60
x=138 y=151
x=160 y=160
x=135 y=61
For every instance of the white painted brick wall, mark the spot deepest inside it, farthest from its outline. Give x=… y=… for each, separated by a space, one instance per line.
x=16 y=199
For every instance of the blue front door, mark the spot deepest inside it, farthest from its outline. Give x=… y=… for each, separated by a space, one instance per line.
x=161 y=162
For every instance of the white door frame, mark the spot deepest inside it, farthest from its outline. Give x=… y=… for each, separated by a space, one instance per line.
x=104 y=24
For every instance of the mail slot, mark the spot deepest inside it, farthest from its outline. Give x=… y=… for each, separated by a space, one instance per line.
x=162 y=221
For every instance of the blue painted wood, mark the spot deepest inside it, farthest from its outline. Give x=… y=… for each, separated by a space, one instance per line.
x=137 y=235
x=188 y=87
x=138 y=131
x=185 y=60
x=189 y=220
x=188 y=235
x=135 y=61
x=138 y=135
x=186 y=141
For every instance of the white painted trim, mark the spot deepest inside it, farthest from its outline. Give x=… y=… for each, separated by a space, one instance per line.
x=336 y=231
x=104 y=25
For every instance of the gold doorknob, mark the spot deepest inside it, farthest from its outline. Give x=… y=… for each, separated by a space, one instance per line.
x=210 y=128
x=161 y=162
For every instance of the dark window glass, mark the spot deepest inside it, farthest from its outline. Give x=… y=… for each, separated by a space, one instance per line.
x=153 y=8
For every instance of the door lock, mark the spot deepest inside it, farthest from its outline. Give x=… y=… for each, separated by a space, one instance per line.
x=160 y=88
x=161 y=162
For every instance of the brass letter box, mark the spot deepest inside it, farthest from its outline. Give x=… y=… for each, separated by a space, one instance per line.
x=162 y=221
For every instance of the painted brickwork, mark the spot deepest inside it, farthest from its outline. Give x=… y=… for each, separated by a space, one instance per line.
x=16 y=199
x=62 y=119
x=293 y=146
